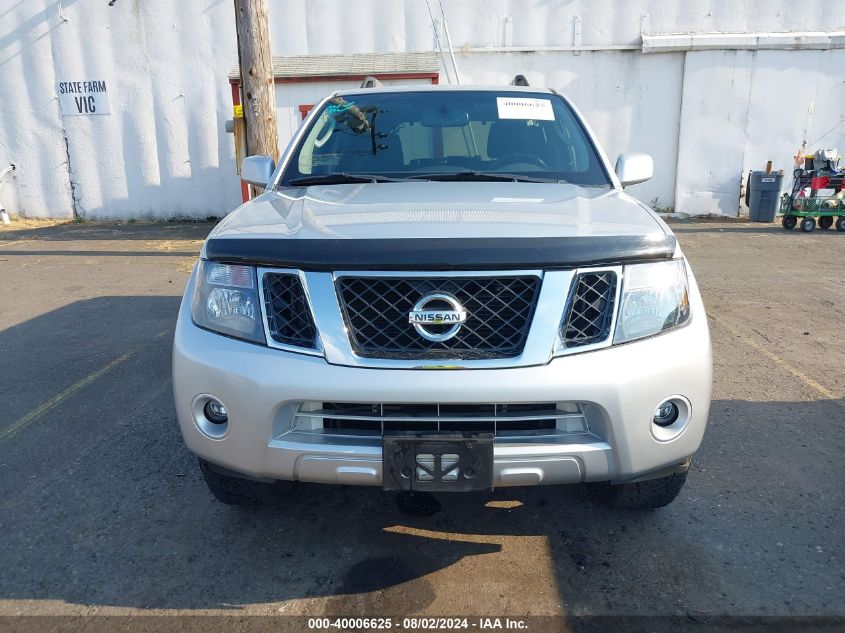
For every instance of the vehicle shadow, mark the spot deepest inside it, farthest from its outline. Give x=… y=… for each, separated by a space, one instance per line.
x=102 y=505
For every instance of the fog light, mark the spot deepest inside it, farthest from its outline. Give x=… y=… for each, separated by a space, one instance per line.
x=215 y=412
x=666 y=414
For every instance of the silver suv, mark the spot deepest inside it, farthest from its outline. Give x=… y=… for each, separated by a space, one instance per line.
x=443 y=289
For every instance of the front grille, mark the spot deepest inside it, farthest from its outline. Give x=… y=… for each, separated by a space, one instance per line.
x=499 y=311
x=590 y=310
x=288 y=313
x=350 y=418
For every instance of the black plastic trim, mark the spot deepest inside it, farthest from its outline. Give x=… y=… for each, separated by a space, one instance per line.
x=440 y=253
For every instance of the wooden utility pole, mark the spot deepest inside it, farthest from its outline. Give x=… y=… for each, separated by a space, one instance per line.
x=256 y=66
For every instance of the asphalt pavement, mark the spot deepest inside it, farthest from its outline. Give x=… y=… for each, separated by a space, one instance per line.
x=103 y=510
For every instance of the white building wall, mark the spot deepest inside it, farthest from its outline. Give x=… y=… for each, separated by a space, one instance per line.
x=31 y=132
x=765 y=101
x=163 y=151
x=807 y=88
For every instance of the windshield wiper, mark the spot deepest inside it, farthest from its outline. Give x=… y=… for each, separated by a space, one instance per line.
x=340 y=179
x=467 y=175
x=488 y=176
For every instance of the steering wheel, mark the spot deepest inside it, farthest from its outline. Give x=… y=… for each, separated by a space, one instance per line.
x=512 y=159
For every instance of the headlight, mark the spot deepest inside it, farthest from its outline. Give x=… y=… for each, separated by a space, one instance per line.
x=655 y=298
x=226 y=301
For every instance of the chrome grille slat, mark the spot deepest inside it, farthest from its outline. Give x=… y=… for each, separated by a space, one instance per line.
x=500 y=308
x=323 y=413
x=375 y=419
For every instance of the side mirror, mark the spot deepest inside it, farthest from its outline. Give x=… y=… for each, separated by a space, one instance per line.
x=634 y=167
x=257 y=170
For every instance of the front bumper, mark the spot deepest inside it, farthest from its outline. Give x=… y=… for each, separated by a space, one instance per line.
x=619 y=386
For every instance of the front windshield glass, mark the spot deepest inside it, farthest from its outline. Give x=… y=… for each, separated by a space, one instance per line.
x=446 y=135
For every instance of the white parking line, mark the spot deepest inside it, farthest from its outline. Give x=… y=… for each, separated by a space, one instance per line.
x=800 y=375
x=56 y=400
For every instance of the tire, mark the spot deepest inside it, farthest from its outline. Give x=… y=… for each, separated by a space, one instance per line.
x=235 y=491
x=788 y=222
x=808 y=225
x=641 y=495
x=840 y=224
x=825 y=222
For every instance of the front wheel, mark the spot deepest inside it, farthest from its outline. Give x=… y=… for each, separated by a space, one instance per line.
x=788 y=222
x=235 y=491
x=808 y=225
x=642 y=495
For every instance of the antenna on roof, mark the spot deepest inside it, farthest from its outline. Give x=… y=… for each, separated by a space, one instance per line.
x=519 y=80
x=371 y=82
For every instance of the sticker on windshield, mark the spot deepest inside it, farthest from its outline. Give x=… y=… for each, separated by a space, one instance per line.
x=525 y=108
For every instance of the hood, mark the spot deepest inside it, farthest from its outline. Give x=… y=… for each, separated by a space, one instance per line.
x=440 y=210
x=440 y=226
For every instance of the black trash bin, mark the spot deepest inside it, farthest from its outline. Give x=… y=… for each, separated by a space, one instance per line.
x=765 y=196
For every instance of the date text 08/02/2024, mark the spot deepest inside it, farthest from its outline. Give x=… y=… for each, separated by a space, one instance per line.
x=417 y=623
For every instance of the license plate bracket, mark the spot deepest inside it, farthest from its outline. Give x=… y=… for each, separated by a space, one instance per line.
x=437 y=462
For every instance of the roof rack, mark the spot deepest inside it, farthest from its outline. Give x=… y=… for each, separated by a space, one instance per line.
x=519 y=80
x=371 y=82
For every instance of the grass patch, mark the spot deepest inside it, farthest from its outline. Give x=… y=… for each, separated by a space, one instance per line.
x=19 y=223
x=659 y=208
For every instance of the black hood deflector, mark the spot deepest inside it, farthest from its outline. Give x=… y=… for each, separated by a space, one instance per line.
x=441 y=253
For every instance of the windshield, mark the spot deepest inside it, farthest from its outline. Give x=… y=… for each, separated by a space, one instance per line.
x=442 y=135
